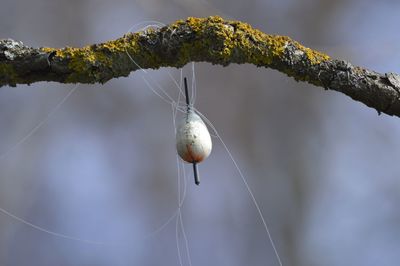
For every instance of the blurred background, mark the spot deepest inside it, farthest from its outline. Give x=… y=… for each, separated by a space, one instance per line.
x=323 y=168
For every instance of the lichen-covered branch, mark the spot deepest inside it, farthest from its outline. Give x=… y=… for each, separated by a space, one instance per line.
x=212 y=40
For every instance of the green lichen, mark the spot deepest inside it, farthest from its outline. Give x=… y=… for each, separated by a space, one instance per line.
x=118 y=45
x=211 y=39
x=8 y=74
x=234 y=41
x=85 y=62
x=80 y=60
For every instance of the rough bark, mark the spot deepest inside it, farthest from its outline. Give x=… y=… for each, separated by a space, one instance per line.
x=212 y=40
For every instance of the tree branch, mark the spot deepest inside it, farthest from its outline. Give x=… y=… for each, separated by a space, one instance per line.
x=212 y=40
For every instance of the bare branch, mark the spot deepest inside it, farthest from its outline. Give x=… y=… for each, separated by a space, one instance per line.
x=212 y=40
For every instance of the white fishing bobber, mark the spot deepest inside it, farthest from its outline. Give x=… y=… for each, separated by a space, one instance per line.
x=193 y=141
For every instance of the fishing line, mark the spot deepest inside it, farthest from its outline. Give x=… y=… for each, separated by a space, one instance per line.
x=40 y=124
x=244 y=180
x=30 y=134
x=256 y=205
x=22 y=141
x=58 y=234
x=179 y=219
x=176 y=107
x=177 y=214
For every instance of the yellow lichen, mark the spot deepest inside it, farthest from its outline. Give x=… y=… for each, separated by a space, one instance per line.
x=315 y=57
x=114 y=46
x=214 y=39
x=48 y=49
x=195 y=24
